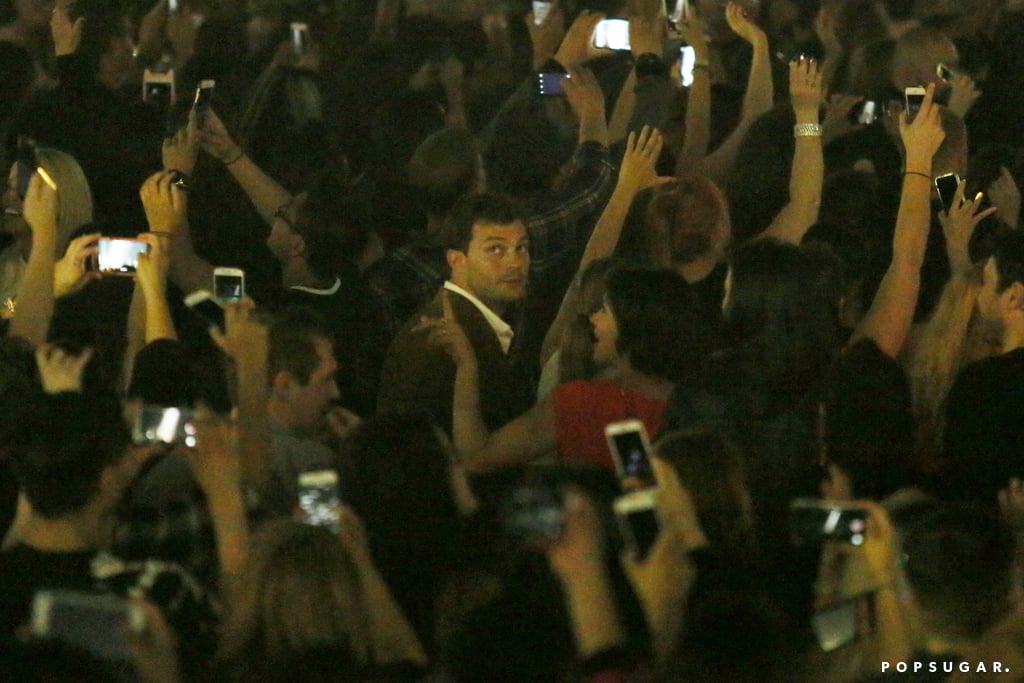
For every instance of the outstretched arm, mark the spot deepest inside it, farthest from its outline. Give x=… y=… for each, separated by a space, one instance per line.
x=166 y=207
x=35 y=291
x=892 y=312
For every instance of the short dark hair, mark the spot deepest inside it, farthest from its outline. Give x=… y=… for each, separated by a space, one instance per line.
x=488 y=207
x=682 y=219
x=72 y=438
x=443 y=168
x=528 y=148
x=294 y=331
x=959 y=563
x=660 y=324
x=1009 y=256
x=333 y=224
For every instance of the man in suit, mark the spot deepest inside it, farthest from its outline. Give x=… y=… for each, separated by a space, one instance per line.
x=488 y=252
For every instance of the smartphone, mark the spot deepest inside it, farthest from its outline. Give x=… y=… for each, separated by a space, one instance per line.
x=203 y=98
x=207 y=307
x=534 y=514
x=551 y=84
x=813 y=520
x=865 y=112
x=168 y=425
x=540 y=12
x=90 y=621
x=630 y=449
x=612 y=34
x=946 y=186
x=300 y=37
x=27 y=164
x=687 y=60
x=319 y=499
x=228 y=284
x=637 y=516
x=116 y=256
x=913 y=98
x=173 y=6
x=944 y=72
x=158 y=88
x=683 y=9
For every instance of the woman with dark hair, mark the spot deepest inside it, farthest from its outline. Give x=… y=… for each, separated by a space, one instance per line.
x=649 y=331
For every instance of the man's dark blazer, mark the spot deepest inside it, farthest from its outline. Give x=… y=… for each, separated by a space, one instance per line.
x=417 y=376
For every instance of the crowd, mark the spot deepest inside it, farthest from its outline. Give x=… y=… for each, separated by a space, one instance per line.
x=522 y=357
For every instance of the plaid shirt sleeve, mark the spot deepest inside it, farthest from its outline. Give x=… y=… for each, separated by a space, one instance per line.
x=560 y=222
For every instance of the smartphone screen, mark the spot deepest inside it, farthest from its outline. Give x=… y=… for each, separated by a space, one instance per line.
x=867 y=112
x=540 y=12
x=168 y=425
x=944 y=72
x=203 y=99
x=119 y=256
x=630 y=449
x=687 y=60
x=914 y=97
x=946 y=186
x=228 y=287
x=612 y=34
x=91 y=621
x=812 y=521
x=319 y=499
x=637 y=517
x=300 y=37
x=533 y=515
x=551 y=84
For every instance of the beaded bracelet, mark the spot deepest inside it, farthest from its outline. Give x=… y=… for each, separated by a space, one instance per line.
x=807 y=130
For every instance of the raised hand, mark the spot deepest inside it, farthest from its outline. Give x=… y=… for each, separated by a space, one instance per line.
x=805 y=88
x=547 y=35
x=61 y=370
x=642 y=151
x=71 y=273
x=67 y=35
x=646 y=35
x=446 y=332
x=40 y=208
x=151 y=273
x=922 y=136
x=1005 y=194
x=180 y=151
x=963 y=95
x=958 y=224
x=575 y=48
x=165 y=204
x=581 y=545
x=215 y=139
x=741 y=24
x=584 y=93
x=880 y=548
x=243 y=333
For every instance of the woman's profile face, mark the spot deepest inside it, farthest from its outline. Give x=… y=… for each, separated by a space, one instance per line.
x=606 y=335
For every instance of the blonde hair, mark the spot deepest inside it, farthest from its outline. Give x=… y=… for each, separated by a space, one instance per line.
x=301 y=590
x=74 y=196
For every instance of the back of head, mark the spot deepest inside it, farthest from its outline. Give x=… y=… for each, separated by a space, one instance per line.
x=687 y=219
x=758 y=184
x=916 y=54
x=328 y=219
x=294 y=332
x=661 y=328
x=488 y=208
x=1009 y=258
x=443 y=168
x=959 y=564
x=72 y=438
x=301 y=591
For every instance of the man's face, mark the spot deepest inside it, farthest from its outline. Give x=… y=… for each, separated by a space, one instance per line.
x=307 y=402
x=495 y=265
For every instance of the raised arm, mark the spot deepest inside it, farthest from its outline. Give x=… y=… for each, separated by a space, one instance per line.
x=698 y=101
x=892 y=312
x=265 y=193
x=636 y=174
x=643 y=99
x=35 y=291
x=758 y=99
x=166 y=207
x=807 y=174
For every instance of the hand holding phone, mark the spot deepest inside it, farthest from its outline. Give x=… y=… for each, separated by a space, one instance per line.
x=202 y=100
x=913 y=98
x=116 y=256
x=206 y=306
x=158 y=88
x=551 y=84
x=94 y=622
x=946 y=185
x=228 y=284
x=637 y=516
x=320 y=500
x=631 y=452
x=167 y=425
x=612 y=34
x=813 y=520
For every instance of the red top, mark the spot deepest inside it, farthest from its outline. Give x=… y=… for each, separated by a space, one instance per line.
x=584 y=407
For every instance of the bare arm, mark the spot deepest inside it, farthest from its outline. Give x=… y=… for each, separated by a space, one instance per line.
x=807 y=174
x=35 y=291
x=888 y=320
x=166 y=208
x=698 y=102
x=637 y=173
x=758 y=99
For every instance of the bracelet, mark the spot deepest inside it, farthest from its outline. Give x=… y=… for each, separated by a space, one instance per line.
x=240 y=155
x=805 y=130
x=923 y=175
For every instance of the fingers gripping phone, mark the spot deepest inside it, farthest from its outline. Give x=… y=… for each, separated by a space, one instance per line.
x=630 y=449
x=228 y=284
x=946 y=185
